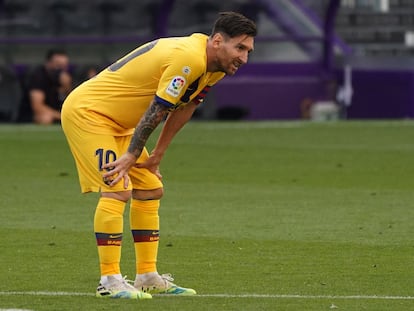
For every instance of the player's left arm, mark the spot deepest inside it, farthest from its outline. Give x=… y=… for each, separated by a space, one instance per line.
x=175 y=121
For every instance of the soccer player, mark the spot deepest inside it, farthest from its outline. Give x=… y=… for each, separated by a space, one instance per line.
x=107 y=121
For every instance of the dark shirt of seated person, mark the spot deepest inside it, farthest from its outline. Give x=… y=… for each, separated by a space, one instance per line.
x=48 y=86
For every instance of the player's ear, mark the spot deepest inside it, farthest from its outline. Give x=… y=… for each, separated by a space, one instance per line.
x=217 y=39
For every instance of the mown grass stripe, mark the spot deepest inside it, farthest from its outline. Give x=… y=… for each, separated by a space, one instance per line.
x=272 y=296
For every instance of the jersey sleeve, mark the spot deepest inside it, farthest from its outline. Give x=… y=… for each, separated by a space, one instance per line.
x=179 y=73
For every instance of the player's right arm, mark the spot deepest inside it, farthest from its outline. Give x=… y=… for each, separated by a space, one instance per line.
x=149 y=121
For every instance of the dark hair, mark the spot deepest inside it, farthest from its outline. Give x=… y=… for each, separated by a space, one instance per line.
x=234 y=24
x=52 y=52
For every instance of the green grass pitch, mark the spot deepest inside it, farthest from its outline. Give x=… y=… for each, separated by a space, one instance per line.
x=256 y=216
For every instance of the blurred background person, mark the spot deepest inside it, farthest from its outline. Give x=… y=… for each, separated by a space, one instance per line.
x=47 y=87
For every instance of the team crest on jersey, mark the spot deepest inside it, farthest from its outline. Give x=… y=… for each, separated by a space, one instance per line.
x=175 y=86
x=186 y=70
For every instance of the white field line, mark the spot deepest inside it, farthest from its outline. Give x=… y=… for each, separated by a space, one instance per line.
x=271 y=296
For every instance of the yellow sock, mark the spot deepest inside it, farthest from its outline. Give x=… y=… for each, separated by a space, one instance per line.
x=108 y=226
x=145 y=231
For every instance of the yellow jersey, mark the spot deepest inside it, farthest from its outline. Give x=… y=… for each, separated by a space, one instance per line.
x=173 y=70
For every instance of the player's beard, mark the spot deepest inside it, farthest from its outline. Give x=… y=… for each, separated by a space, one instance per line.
x=229 y=69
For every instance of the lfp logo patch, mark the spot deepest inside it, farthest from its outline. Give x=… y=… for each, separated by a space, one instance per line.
x=175 y=86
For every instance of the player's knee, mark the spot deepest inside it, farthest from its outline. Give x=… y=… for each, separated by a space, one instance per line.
x=120 y=195
x=144 y=195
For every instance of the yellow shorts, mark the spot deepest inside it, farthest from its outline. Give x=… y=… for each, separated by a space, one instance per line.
x=91 y=151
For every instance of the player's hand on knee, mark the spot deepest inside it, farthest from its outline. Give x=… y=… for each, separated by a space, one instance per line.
x=118 y=169
x=151 y=164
